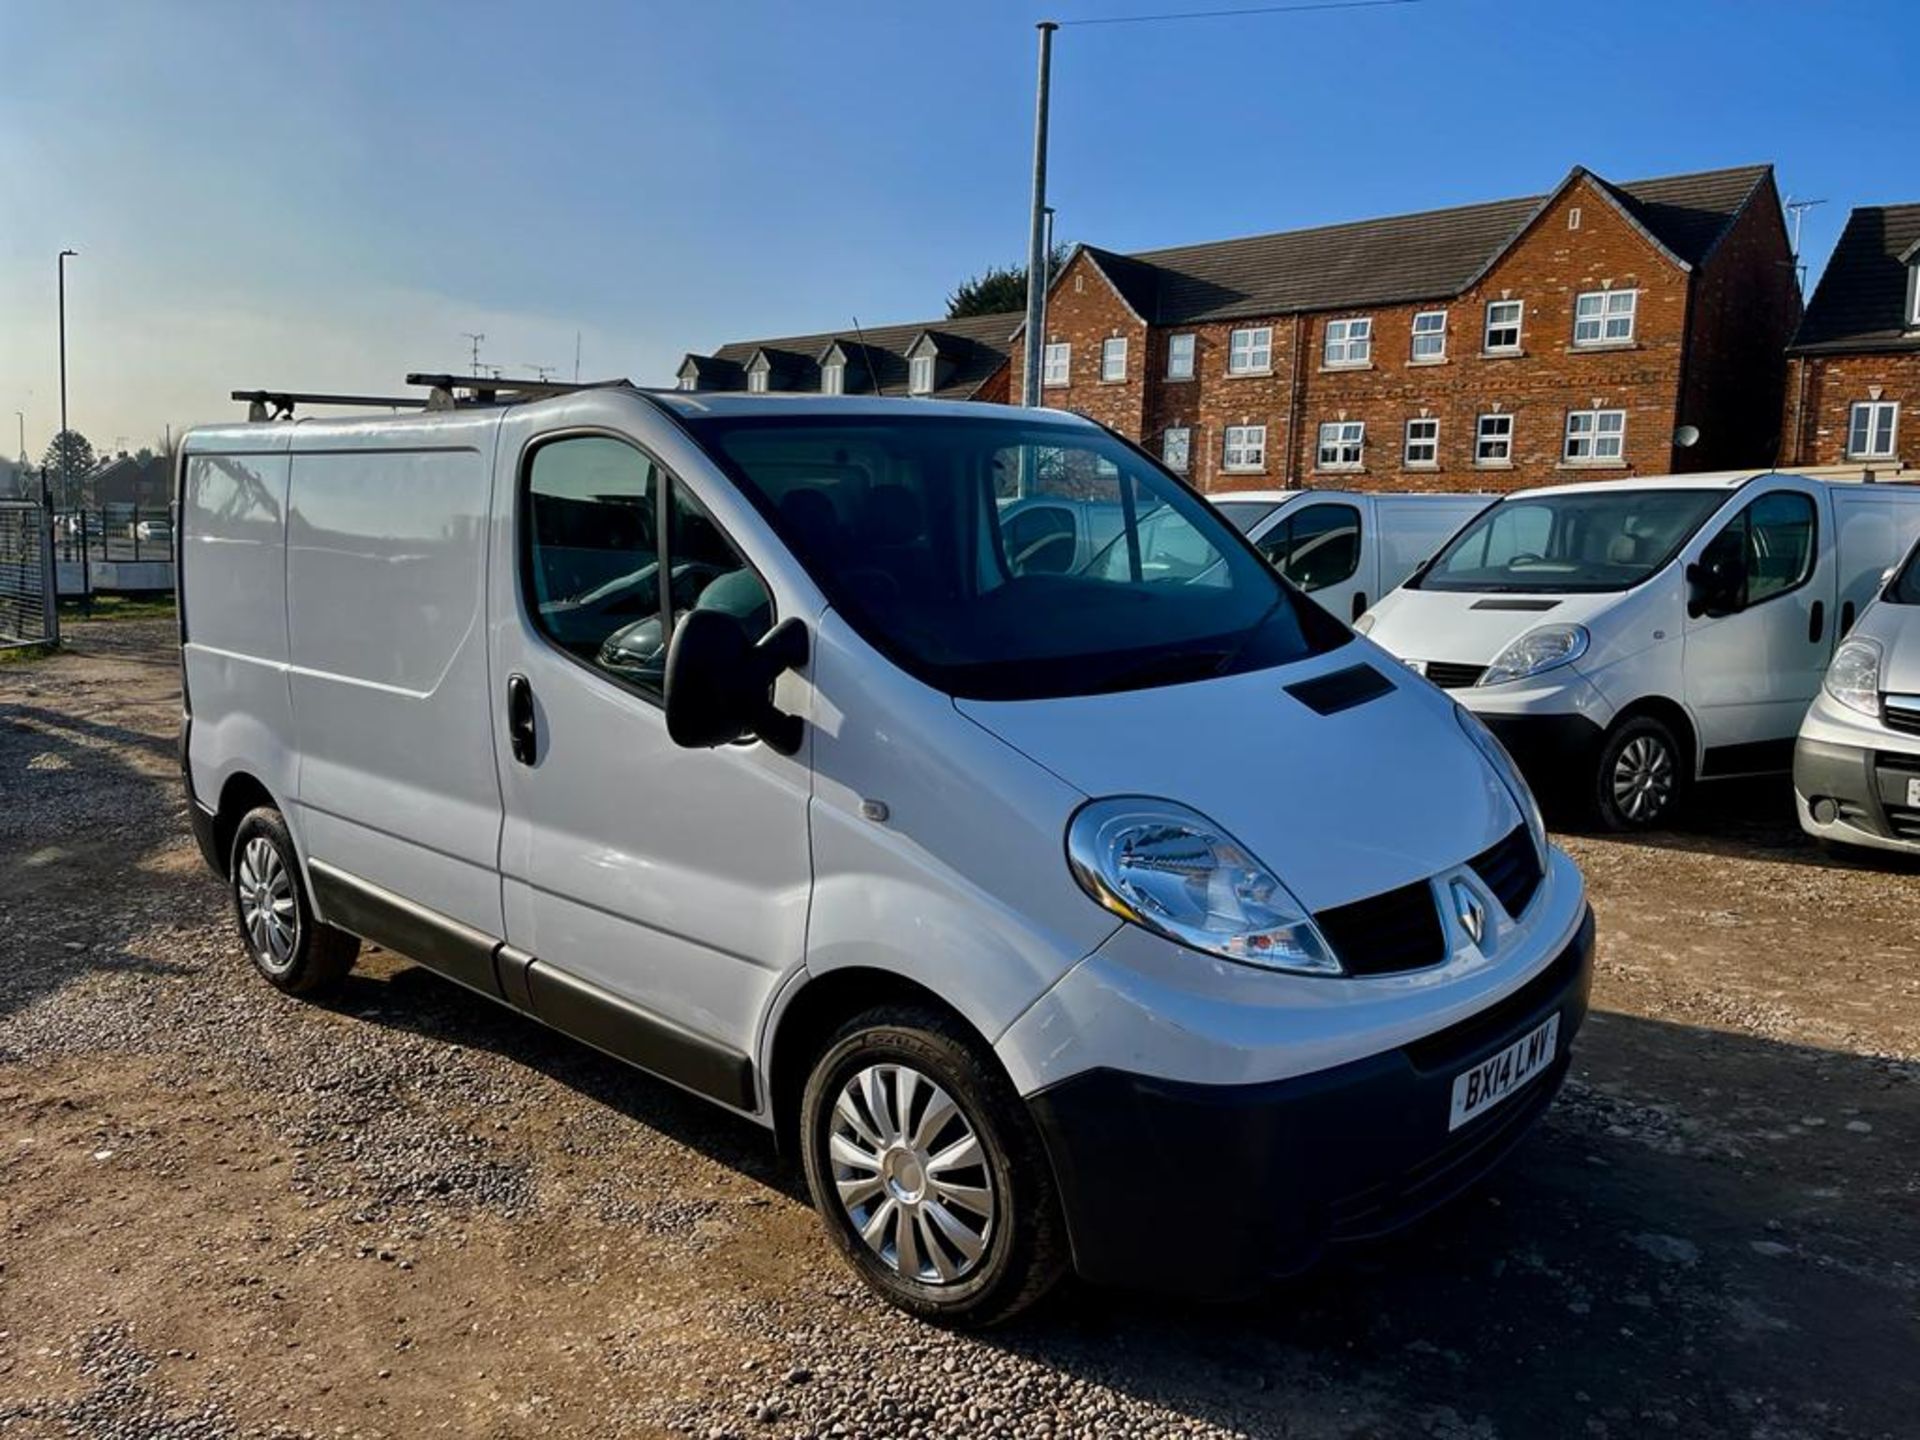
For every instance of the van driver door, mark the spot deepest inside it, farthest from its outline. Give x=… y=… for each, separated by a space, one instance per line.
x=1318 y=547
x=654 y=896
x=1759 y=623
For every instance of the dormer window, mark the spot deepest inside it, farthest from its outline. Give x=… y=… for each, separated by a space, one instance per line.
x=833 y=378
x=920 y=375
x=758 y=373
x=687 y=377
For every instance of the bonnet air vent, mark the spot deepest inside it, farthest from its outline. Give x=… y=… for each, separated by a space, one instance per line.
x=1339 y=690
x=1514 y=604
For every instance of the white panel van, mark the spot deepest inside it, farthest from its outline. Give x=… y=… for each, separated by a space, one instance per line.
x=1626 y=638
x=1347 y=548
x=729 y=735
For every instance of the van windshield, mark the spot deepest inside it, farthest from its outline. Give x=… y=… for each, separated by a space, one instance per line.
x=1578 y=543
x=1010 y=559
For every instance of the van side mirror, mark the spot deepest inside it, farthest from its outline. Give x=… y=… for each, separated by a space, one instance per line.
x=1715 y=588
x=719 y=683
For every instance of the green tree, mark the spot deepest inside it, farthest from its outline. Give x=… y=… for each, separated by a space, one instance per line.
x=68 y=461
x=1000 y=288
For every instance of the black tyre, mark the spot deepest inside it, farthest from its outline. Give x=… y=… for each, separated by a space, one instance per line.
x=294 y=951
x=927 y=1169
x=1642 y=776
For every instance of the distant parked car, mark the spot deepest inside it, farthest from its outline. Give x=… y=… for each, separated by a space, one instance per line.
x=1856 y=765
x=160 y=532
x=1347 y=548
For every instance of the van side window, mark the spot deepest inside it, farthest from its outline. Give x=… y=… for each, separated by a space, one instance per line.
x=594 y=558
x=1772 y=539
x=1317 y=546
x=1039 y=540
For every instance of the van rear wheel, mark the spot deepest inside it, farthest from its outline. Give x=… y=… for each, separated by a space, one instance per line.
x=927 y=1170
x=1642 y=775
x=288 y=946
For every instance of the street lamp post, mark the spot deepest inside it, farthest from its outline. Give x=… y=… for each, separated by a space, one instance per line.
x=65 y=442
x=1036 y=231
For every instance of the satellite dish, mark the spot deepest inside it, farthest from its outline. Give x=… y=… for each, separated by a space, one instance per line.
x=1687 y=436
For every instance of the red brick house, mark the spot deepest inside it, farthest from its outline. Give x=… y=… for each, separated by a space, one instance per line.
x=1853 y=372
x=1492 y=346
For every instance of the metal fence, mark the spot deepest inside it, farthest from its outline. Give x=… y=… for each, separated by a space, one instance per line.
x=28 y=613
x=115 y=532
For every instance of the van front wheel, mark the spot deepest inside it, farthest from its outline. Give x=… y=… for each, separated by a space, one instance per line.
x=927 y=1169
x=293 y=950
x=1642 y=775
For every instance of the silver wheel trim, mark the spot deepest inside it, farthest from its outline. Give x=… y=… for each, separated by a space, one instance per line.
x=268 y=910
x=1642 y=778
x=911 y=1175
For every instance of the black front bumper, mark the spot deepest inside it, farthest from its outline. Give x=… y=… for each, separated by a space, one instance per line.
x=1213 y=1190
x=1558 y=754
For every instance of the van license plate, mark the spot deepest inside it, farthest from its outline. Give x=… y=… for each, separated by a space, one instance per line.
x=1484 y=1086
x=1913 y=790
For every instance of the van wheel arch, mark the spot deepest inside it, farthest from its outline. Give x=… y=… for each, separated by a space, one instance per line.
x=1673 y=715
x=242 y=793
x=809 y=1021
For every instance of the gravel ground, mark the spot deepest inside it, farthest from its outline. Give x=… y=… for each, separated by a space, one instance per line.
x=226 y=1213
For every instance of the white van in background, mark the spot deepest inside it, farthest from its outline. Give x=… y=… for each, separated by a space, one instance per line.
x=1856 y=766
x=1625 y=638
x=1347 y=548
x=735 y=736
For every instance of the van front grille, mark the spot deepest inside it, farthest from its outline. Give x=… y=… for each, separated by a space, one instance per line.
x=1450 y=676
x=1386 y=933
x=1904 y=822
x=1901 y=712
x=1511 y=869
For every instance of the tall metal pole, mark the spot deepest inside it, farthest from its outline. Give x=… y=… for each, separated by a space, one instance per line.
x=1037 y=230
x=66 y=443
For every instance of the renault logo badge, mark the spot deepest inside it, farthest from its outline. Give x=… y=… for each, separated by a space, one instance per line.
x=1472 y=914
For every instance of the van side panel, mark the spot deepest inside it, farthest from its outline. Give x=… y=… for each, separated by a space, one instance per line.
x=386 y=592
x=233 y=590
x=1873 y=526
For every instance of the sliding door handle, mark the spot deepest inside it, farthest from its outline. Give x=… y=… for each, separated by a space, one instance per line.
x=521 y=731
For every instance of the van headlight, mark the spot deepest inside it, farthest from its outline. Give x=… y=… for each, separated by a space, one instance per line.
x=1853 y=677
x=1545 y=647
x=1489 y=745
x=1171 y=870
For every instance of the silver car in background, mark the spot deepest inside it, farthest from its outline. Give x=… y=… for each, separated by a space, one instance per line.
x=1856 y=765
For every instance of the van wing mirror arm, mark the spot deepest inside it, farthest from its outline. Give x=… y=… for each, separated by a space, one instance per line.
x=781 y=649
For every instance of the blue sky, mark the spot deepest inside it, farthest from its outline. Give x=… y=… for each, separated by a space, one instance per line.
x=324 y=195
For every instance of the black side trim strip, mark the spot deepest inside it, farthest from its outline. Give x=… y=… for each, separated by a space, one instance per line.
x=1528 y=605
x=510 y=967
x=455 y=950
x=626 y=1032
x=1756 y=757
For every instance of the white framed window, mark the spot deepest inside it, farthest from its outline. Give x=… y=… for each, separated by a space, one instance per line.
x=1430 y=335
x=1503 y=327
x=1493 y=440
x=1180 y=357
x=1349 y=342
x=1423 y=443
x=1871 y=428
x=833 y=378
x=1059 y=357
x=1246 y=447
x=1113 y=358
x=1342 y=442
x=1250 y=351
x=757 y=380
x=1176 y=447
x=1595 y=437
x=687 y=382
x=920 y=375
x=1604 y=317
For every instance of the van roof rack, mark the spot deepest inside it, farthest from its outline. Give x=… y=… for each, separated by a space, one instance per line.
x=278 y=404
x=489 y=389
